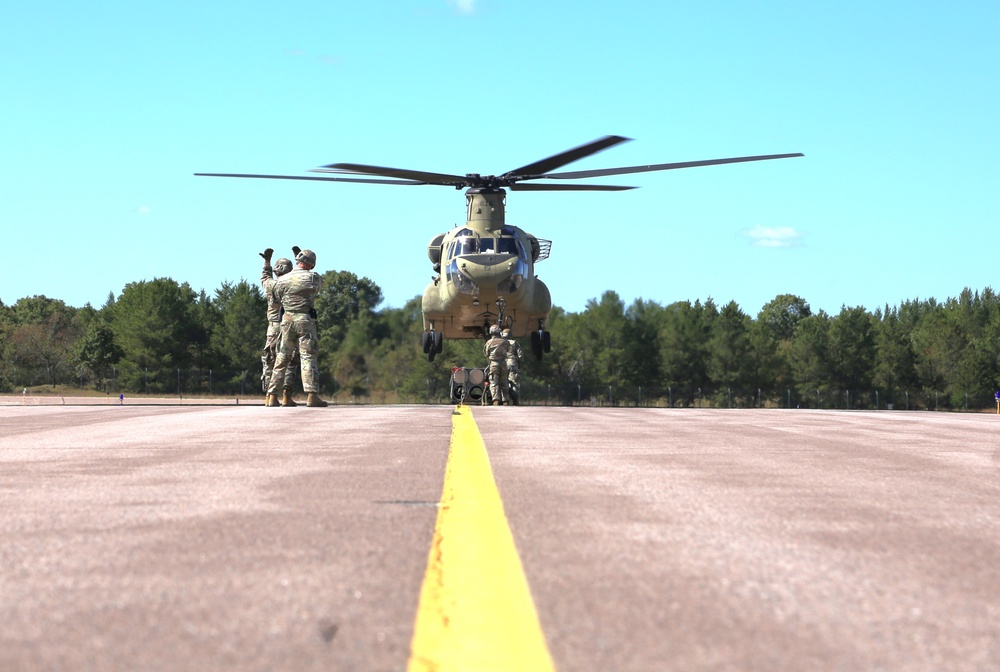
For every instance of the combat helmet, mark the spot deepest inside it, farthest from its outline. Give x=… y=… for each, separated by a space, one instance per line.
x=282 y=266
x=505 y=333
x=494 y=330
x=307 y=257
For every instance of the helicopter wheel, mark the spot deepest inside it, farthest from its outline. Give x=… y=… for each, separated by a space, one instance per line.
x=438 y=341
x=425 y=342
x=546 y=341
x=537 y=347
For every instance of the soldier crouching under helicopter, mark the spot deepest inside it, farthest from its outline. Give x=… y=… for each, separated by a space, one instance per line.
x=297 y=292
x=515 y=355
x=495 y=350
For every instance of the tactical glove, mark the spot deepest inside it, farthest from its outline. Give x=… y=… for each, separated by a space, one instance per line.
x=267 y=254
x=296 y=249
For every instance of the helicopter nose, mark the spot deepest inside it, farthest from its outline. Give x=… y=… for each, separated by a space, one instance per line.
x=487 y=270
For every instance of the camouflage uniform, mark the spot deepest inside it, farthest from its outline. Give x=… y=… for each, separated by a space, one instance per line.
x=267 y=357
x=515 y=355
x=296 y=291
x=270 y=352
x=495 y=350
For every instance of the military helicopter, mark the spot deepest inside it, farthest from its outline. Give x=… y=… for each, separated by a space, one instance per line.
x=484 y=269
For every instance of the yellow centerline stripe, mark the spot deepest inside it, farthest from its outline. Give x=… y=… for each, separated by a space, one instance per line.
x=476 y=611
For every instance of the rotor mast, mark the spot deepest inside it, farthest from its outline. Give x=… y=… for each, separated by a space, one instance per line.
x=485 y=208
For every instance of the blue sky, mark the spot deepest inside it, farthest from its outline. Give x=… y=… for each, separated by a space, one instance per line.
x=109 y=107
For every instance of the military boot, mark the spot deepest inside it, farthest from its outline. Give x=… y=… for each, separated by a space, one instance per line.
x=271 y=400
x=314 y=401
x=286 y=398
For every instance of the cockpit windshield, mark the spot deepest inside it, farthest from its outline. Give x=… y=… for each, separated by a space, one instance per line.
x=466 y=242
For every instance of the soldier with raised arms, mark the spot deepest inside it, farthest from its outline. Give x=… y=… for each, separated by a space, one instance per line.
x=297 y=292
x=267 y=281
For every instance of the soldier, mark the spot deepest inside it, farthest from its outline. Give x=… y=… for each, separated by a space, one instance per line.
x=297 y=292
x=267 y=281
x=495 y=350
x=515 y=355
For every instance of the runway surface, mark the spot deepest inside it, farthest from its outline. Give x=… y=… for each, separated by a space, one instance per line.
x=246 y=538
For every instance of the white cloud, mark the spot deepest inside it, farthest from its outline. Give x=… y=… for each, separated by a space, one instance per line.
x=774 y=236
x=464 y=6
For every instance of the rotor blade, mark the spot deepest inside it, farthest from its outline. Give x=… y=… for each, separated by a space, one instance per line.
x=569 y=156
x=303 y=177
x=518 y=186
x=402 y=173
x=660 y=166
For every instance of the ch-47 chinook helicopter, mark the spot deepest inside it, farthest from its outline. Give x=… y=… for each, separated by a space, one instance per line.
x=485 y=268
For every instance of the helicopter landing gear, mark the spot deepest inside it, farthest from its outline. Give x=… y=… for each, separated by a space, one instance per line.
x=541 y=341
x=432 y=343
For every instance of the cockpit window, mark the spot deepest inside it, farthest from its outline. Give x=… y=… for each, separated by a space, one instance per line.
x=507 y=245
x=466 y=243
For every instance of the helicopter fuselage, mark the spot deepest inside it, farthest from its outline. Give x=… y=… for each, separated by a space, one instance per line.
x=485 y=274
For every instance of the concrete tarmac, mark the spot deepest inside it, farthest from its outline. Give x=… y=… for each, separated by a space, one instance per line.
x=247 y=538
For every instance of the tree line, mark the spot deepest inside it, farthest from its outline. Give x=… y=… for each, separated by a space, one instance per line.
x=160 y=337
